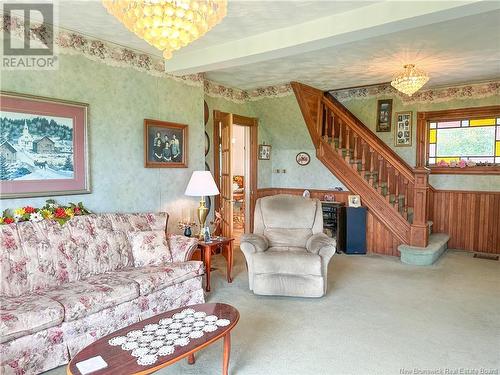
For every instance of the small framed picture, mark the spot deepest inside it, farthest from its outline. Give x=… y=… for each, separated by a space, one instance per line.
x=403 y=129
x=206 y=235
x=302 y=158
x=165 y=144
x=264 y=152
x=384 y=115
x=354 y=201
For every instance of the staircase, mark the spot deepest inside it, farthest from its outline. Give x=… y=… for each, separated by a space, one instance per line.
x=394 y=192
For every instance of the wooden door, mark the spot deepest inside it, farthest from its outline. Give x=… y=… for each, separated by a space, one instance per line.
x=226 y=188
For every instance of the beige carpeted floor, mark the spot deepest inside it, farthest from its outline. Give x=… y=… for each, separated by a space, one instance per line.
x=379 y=317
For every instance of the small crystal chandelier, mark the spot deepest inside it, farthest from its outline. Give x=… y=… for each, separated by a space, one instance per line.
x=168 y=24
x=410 y=80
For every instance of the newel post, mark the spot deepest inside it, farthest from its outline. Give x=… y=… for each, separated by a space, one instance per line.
x=419 y=235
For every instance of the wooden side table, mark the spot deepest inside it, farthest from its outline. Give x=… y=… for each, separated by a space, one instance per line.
x=225 y=246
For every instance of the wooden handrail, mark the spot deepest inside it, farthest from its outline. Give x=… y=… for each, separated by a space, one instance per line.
x=382 y=148
x=366 y=165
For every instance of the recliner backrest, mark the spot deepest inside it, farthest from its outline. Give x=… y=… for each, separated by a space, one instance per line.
x=287 y=220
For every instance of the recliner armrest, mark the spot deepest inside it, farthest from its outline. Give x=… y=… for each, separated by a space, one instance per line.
x=318 y=243
x=253 y=243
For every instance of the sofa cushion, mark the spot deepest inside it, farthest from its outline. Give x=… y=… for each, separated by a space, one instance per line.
x=98 y=292
x=21 y=316
x=150 y=248
x=101 y=248
x=138 y=221
x=36 y=256
x=155 y=278
x=283 y=262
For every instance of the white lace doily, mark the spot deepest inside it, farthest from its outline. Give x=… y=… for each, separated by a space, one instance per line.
x=160 y=339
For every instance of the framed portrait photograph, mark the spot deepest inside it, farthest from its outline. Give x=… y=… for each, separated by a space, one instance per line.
x=354 y=201
x=43 y=146
x=384 y=115
x=403 y=131
x=264 y=152
x=165 y=144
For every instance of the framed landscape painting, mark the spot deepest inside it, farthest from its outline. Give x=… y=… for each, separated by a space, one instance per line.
x=43 y=147
x=165 y=144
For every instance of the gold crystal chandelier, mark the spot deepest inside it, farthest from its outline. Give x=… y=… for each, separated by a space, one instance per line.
x=410 y=80
x=168 y=24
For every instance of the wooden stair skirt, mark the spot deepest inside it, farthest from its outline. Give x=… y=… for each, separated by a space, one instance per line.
x=394 y=192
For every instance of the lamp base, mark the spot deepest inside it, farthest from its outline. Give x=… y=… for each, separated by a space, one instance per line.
x=202 y=217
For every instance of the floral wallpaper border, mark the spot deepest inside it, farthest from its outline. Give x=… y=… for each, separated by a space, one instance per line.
x=434 y=95
x=115 y=55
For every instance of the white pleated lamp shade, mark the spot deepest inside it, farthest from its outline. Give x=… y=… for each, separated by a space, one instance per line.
x=201 y=184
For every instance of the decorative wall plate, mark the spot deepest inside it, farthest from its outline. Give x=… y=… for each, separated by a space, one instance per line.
x=207 y=143
x=303 y=158
x=206 y=112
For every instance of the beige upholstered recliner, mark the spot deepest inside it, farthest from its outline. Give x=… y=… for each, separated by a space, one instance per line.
x=288 y=253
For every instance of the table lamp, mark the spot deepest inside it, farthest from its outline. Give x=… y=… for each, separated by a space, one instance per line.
x=201 y=184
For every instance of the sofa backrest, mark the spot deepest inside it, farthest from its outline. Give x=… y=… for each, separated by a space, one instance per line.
x=288 y=220
x=39 y=256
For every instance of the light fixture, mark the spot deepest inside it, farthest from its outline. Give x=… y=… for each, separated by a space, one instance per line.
x=202 y=184
x=410 y=80
x=168 y=24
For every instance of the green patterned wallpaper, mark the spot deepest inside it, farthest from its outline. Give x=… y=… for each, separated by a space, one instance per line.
x=366 y=110
x=119 y=100
x=288 y=136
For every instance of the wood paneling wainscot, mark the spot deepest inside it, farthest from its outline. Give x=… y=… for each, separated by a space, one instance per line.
x=379 y=239
x=471 y=218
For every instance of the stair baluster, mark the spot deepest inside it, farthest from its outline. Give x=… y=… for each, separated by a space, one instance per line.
x=396 y=190
x=363 y=158
x=367 y=165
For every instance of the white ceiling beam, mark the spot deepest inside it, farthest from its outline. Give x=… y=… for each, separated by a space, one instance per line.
x=380 y=18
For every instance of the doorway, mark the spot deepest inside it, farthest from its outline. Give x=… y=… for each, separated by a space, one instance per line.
x=235 y=171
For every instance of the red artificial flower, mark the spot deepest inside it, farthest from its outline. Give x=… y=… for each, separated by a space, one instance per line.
x=29 y=209
x=8 y=220
x=77 y=211
x=60 y=213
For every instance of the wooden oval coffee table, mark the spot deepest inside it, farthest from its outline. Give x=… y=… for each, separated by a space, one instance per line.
x=119 y=356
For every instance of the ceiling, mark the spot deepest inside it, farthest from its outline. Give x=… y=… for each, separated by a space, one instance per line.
x=327 y=44
x=452 y=52
x=244 y=18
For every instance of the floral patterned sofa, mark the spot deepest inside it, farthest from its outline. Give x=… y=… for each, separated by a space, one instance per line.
x=63 y=287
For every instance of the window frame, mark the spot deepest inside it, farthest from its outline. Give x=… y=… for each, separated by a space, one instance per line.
x=425 y=118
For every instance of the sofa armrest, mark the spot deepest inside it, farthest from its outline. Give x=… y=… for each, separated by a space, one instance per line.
x=253 y=243
x=320 y=243
x=181 y=247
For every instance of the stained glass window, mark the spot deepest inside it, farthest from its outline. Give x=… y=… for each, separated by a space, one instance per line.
x=466 y=139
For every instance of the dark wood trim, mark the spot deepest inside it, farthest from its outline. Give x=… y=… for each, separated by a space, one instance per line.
x=468 y=170
x=185 y=144
x=254 y=137
x=379 y=239
x=471 y=218
x=423 y=118
x=371 y=138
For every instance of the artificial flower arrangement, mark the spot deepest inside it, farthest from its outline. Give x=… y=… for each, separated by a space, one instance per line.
x=186 y=225
x=51 y=211
x=457 y=164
